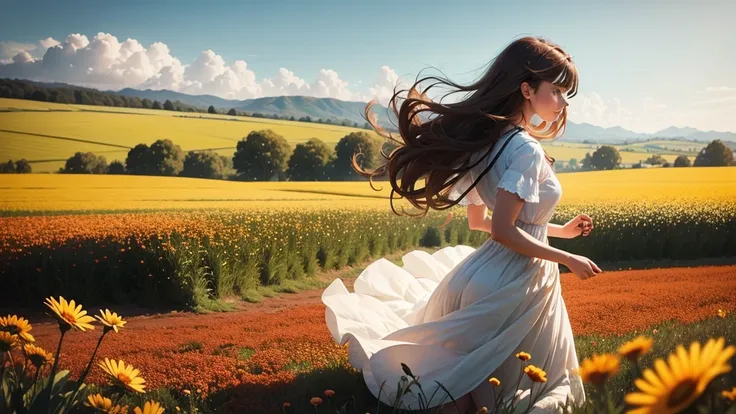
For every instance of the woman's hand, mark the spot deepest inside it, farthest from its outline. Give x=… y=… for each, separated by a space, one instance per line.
x=582 y=267
x=581 y=225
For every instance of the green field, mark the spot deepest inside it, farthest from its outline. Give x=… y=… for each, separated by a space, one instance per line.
x=46 y=134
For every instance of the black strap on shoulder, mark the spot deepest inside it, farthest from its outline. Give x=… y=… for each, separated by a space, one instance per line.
x=493 y=161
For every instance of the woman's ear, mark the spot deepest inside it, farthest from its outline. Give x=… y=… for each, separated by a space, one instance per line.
x=525 y=90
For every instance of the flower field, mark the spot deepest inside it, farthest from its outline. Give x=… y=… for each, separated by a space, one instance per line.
x=254 y=357
x=278 y=232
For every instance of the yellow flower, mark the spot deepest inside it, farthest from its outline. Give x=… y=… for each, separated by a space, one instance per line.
x=635 y=348
x=523 y=356
x=721 y=313
x=98 y=402
x=494 y=381
x=729 y=394
x=17 y=326
x=8 y=341
x=150 y=407
x=536 y=374
x=673 y=388
x=68 y=315
x=37 y=355
x=111 y=320
x=123 y=374
x=598 y=369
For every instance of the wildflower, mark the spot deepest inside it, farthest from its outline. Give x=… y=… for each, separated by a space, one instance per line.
x=599 y=368
x=635 y=348
x=111 y=320
x=494 y=381
x=315 y=401
x=17 y=326
x=124 y=375
x=536 y=374
x=37 y=355
x=523 y=356
x=674 y=387
x=68 y=315
x=8 y=341
x=150 y=407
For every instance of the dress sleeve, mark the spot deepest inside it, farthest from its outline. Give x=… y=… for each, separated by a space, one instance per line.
x=524 y=172
x=460 y=187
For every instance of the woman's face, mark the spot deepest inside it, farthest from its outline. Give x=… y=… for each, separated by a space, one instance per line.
x=547 y=101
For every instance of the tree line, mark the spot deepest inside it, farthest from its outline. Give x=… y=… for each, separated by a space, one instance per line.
x=607 y=157
x=263 y=155
x=68 y=94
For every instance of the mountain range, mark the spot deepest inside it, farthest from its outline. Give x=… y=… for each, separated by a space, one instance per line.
x=335 y=109
x=302 y=106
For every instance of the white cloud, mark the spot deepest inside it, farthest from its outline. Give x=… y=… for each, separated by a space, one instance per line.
x=720 y=89
x=593 y=109
x=105 y=62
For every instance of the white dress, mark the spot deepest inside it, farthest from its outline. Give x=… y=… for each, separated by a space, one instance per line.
x=460 y=315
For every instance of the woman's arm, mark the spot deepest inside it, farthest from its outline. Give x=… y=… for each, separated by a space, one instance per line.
x=478 y=218
x=504 y=230
x=556 y=230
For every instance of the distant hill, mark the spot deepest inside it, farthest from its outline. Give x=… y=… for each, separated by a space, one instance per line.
x=335 y=109
x=296 y=106
x=299 y=106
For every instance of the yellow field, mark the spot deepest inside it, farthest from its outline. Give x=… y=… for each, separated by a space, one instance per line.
x=56 y=134
x=52 y=192
x=52 y=132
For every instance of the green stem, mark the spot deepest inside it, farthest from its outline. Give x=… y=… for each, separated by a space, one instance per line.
x=86 y=370
x=56 y=363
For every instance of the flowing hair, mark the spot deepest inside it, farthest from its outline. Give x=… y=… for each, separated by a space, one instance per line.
x=438 y=140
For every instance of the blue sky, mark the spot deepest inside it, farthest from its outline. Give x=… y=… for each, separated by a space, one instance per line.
x=644 y=66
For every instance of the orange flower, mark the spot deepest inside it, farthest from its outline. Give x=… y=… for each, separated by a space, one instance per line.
x=536 y=374
x=329 y=393
x=494 y=381
x=523 y=356
x=315 y=401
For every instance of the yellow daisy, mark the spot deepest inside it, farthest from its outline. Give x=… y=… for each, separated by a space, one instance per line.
x=68 y=315
x=494 y=381
x=721 y=313
x=599 y=368
x=37 y=355
x=17 y=326
x=523 y=356
x=124 y=375
x=536 y=374
x=98 y=402
x=8 y=341
x=635 y=348
x=673 y=388
x=111 y=320
x=150 y=407
x=729 y=394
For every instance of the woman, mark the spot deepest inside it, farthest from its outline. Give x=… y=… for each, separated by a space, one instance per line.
x=461 y=315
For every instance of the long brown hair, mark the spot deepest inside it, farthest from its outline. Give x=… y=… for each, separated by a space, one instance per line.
x=441 y=145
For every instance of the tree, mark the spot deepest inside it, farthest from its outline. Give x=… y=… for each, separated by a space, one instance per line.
x=22 y=166
x=261 y=156
x=604 y=158
x=137 y=162
x=211 y=110
x=85 y=163
x=656 y=160
x=367 y=147
x=682 y=161
x=168 y=105
x=203 y=164
x=116 y=167
x=232 y=112
x=8 y=167
x=573 y=163
x=157 y=105
x=163 y=157
x=166 y=158
x=146 y=103
x=715 y=154
x=309 y=160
